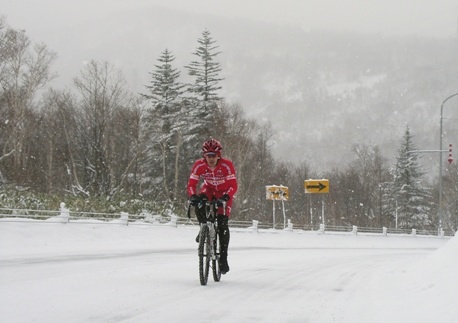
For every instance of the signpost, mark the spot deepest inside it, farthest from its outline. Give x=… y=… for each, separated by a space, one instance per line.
x=316 y=186
x=277 y=193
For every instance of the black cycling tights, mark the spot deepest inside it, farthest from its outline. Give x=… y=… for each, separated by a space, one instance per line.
x=224 y=234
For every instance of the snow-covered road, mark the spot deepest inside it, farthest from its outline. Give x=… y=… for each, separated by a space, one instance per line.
x=113 y=273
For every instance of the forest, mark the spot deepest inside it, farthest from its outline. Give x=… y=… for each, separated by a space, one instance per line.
x=100 y=147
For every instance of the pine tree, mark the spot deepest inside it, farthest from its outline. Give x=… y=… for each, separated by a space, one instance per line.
x=164 y=123
x=165 y=92
x=411 y=197
x=205 y=71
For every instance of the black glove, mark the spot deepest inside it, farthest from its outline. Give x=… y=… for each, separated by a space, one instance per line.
x=194 y=200
x=223 y=199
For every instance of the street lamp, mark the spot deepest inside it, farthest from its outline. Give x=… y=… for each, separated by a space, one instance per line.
x=440 y=164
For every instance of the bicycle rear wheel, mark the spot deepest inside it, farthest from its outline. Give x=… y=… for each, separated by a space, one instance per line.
x=216 y=268
x=204 y=259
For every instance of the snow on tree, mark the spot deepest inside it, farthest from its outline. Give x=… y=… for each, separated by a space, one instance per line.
x=412 y=199
x=105 y=103
x=205 y=71
x=164 y=123
x=165 y=90
x=25 y=68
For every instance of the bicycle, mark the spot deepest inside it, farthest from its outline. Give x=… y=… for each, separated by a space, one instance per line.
x=209 y=244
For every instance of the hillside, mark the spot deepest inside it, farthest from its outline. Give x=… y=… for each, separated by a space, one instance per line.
x=322 y=91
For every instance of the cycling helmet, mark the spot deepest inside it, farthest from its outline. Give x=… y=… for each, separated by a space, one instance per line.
x=212 y=146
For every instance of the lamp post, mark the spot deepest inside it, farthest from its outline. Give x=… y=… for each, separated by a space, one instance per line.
x=440 y=163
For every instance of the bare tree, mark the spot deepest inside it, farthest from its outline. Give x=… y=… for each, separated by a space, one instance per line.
x=236 y=132
x=24 y=69
x=374 y=173
x=259 y=171
x=450 y=197
x=59 y=142
x=104 y=102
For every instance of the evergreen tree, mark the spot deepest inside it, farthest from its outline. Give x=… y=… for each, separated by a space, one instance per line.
x=411 y=197
x=205 y=71
x=164 y=124
x=388 y=202
x=165 y=90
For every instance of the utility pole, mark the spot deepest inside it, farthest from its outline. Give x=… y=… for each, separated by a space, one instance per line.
x=441 y=162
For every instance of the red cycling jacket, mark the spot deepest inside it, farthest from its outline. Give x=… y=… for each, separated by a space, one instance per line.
x=216 y=182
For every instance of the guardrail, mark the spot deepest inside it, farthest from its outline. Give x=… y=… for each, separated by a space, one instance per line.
x=64 y=215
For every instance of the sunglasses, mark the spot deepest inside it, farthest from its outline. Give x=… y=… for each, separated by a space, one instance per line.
x=211 y=155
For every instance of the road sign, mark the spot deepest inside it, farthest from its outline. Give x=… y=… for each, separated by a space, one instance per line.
x=277 y=193
x=274 y=192
x=316 y=186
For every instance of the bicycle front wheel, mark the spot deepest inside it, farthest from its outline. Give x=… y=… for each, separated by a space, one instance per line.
x=204 y=258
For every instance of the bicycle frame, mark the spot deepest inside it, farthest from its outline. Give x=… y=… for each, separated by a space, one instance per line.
x=208 y=250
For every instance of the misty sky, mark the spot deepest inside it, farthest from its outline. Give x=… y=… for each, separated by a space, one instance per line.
x=438 y=18
x=106 y=30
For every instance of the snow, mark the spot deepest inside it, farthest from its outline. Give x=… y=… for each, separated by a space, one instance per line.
x=74 y=272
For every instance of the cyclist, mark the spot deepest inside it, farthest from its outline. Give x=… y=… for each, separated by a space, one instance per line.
x=219 y=182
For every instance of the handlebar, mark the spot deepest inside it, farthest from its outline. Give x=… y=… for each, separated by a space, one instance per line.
x=214 y=202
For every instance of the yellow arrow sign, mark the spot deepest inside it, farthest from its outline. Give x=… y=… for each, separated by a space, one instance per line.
x=316 y=186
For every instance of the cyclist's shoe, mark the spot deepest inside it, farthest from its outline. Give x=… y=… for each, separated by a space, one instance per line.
x=224 y=267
